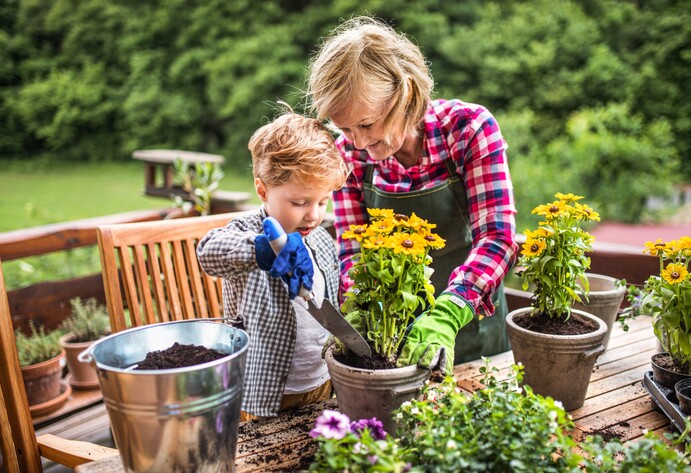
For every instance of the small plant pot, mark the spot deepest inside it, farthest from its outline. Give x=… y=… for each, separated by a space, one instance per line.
x=81 y=375
x=663 y=374
x=683 y=392
x=42 y=380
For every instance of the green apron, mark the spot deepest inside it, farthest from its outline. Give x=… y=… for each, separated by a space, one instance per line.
x=446 y=205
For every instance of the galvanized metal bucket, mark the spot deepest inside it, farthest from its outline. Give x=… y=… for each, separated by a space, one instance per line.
x=173 y=420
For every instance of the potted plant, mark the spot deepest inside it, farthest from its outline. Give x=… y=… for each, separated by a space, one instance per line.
x=391 y=283
x=667 y=297
x=558 y=345
x=41 y=362
x=87 y=323
x=500 y=427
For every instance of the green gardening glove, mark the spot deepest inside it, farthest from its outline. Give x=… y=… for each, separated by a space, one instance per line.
x=432 y=337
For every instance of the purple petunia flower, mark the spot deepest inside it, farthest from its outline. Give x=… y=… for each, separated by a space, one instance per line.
x=375 y=427
x=331 y=425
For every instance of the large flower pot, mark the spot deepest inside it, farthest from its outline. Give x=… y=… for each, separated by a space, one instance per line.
x=180 y=419
x=603 y=302
x=366 y=393
x=81 y=375
x=557 y=365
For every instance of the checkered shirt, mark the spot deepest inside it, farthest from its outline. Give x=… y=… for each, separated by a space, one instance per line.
x=472 y=137
x=262 y=303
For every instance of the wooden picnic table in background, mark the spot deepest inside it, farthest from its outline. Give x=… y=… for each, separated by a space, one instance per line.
x=617 y=405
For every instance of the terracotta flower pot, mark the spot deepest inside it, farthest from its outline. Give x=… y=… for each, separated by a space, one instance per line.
x=42 y=380
x=366 y=393
x=557 y=365
x=81 y=375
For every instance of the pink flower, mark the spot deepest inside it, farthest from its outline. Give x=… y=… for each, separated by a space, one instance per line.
x=331 y=425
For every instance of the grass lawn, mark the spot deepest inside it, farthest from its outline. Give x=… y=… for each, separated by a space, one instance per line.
x=32 y=195
x=43 y=195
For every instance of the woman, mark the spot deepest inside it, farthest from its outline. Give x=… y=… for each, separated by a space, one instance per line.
x=444 y=160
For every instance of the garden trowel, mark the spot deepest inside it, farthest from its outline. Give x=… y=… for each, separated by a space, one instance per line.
x=329 y=318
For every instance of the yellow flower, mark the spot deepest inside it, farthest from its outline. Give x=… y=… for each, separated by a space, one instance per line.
x=433 y=240
x=541 y=232
x=568 y=197
x=356 y=232
x=550 y=211
x=376 y=241
x=421 y=224
x=587 y=212
x=408 y=243
x=533 y=247
x=380 y=213
x=674 y=273
x=654 y=249
x=383 y=226
x=685 y=243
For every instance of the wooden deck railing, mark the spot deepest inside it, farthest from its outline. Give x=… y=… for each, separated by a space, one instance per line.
x=48 y=302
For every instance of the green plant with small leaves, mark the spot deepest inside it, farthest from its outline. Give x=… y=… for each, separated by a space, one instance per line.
x=199 y=183
x=41 y=345
x=88 y=321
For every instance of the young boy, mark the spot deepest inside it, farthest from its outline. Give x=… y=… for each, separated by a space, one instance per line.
x=296 y=167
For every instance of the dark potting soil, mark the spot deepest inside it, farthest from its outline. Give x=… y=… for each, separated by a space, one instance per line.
x=665 y=361
x=351 y=359
x=178 y=356
x=576 y=325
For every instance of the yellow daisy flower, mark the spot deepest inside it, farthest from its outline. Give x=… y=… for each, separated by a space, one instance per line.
x=674 y=273
x=383 y=226
x=685 y=243
x=550 y=211
x=380 y=213
x=587 y=212
x=376 y=241
x=654 y=249
x=434 y=241
x=568 y=197
x=356 y=232
x=533 y=247
x=408 y=243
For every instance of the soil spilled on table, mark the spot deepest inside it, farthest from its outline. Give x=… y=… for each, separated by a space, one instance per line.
x=178 y=356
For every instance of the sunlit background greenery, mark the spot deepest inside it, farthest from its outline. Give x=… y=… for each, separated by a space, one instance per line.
x=592 y=96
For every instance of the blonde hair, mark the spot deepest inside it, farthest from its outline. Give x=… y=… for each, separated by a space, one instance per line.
x=366 y=61
x=299 y=149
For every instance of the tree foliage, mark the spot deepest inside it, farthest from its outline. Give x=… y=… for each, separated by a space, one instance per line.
x=97 y=79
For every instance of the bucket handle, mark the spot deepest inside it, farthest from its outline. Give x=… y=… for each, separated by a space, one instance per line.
x=86 y=356
x=595 y=352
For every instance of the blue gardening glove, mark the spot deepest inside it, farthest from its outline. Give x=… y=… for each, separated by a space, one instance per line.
x=294 y=265
x=432 y=336
x=264 y=254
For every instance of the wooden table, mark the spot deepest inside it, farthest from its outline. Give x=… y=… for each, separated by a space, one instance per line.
x=616 y=403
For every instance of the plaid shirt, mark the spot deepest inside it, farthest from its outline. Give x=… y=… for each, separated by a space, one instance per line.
x=262 y=303
x=474 y=142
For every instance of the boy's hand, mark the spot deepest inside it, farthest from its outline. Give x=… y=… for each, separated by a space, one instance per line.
x=293 y=264
x=264 y=254
x=432 y=337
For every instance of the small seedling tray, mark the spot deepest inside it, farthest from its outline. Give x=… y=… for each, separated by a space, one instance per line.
x=666 y=400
